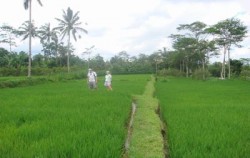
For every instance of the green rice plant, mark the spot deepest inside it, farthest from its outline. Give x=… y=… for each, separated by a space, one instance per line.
x=206 y=119
x=66 y=119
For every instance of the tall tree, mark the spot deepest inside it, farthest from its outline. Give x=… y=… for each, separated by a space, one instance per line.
x=157 y=60
x=197 y=30
x=206 y=49
x=98 y=62
x=48 y=35
x=27 y=5
x=26 y=30
x=228 y=33
x=185 y=47
x=70 y=25
x=8 y=35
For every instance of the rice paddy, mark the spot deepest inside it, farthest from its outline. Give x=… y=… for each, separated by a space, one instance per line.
x=66 y=119
x=206 y=119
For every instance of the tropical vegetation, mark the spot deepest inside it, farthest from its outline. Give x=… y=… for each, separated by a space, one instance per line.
x=189 y=57
x=54 y=114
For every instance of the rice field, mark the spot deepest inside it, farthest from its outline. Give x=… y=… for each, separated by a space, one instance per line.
x=66 y=119
x=208 y=119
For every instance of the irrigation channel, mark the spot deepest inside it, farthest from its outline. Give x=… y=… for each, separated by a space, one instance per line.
x=146 y=131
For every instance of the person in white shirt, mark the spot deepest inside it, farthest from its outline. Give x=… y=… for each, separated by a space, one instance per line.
x=92 y=79
x=108 y=80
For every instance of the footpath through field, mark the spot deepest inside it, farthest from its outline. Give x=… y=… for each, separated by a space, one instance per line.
x=146 y=140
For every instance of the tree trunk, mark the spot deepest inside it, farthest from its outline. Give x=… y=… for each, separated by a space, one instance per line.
x=156 y=68
x=180 y=66
x=68 y=52
x=29 y=66
x=229 y=66
x=183 y=66
x=187 y=70
x=203 y=69
x=10 y=43
x=223 y=72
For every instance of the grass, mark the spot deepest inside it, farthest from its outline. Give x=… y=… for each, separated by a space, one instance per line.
x=66 y=119
x=146 y=139
x=206 y=119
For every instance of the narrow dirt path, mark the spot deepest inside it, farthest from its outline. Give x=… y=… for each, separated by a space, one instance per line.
x=146 y=140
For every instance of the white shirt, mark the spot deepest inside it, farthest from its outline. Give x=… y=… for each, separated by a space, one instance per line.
x=92 y=76
x=108 y=78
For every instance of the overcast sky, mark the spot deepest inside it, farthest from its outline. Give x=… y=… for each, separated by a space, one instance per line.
x=134 y=26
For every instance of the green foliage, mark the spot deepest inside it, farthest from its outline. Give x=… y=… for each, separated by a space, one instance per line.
x=53 y=77
x=191 y=49
x=163 y=73
x=11 y=83
x=9 y=72
x=201 y=74
x=215 y=69
x=37 y=71
x=171 y=72
x=3 y=53
x=123 y=64
x=206 y=119
x=236 y=67
x=245 y=74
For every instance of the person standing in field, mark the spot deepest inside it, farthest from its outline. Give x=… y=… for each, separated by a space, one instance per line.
x=92 y=79
x=108 y=80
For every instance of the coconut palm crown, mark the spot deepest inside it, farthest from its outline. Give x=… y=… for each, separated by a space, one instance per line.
x=70 y=25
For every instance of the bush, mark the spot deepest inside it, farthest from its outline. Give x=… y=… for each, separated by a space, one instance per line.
x=201 y=74
x=171 y=72
x=245 y=74
x=9 y=71
x=36 y=71
x=20 y=82
x=215 y=69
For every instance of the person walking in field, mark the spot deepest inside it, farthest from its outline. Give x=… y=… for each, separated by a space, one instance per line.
x=92 y=79
x=108 y=80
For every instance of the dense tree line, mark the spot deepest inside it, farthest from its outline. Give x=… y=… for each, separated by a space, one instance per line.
x=160 y=62
x=195 y=44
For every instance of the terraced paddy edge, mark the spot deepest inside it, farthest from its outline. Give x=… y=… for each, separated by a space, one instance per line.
x=146 y=138
x=130 y=129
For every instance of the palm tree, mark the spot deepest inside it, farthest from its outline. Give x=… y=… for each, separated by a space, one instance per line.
x=27 y=5
x=46 y=34
x=70 y=25
x=27 y=30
